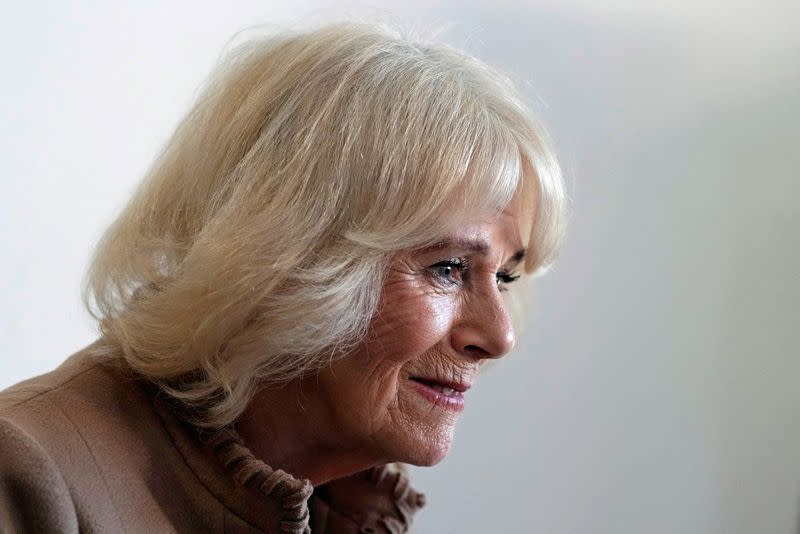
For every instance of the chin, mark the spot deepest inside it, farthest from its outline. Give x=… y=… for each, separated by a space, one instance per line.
x=431 y=459
x=422 y=431
x=430 y=449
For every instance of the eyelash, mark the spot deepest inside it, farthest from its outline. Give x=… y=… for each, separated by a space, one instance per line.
x=462 y=265
x=506 y=278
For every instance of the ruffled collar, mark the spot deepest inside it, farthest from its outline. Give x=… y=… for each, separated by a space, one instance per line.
x=276 y=485
x=378 y=500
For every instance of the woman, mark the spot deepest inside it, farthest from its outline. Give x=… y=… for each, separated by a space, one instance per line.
x=295 y=300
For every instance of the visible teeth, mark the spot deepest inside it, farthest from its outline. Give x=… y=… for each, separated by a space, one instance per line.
x=441 y=388
x=444 y=389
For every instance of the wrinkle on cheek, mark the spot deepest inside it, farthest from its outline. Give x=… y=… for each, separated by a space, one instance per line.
x=410 y=331
x=383 y=381
x=409 y=319
x=413 y=318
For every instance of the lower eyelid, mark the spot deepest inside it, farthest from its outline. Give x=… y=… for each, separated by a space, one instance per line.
x=434 y=273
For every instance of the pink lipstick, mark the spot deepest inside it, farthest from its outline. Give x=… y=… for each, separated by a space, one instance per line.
x=449 y=395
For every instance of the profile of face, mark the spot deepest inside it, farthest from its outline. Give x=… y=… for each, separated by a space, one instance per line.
x=442 y=314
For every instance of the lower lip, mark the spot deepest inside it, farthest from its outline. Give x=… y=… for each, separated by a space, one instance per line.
x=454 y=402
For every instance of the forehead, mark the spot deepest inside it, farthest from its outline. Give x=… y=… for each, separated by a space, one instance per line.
x=500 y=233
x=497 y=238
x=510 y=228
x=523 y=208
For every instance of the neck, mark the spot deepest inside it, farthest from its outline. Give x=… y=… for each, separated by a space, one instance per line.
x=289 y=429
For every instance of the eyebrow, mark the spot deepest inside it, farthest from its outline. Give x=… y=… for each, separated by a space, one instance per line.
x=475 y=246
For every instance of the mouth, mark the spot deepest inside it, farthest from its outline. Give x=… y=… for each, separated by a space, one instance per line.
x=445 y=393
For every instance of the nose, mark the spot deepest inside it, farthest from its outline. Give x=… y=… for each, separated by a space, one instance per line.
x=485 y=329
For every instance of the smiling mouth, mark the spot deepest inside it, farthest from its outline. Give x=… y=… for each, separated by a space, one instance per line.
x=442 y=393
x=445 y=386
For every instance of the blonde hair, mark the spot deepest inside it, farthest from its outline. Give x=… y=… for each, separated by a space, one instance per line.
x=254 y=251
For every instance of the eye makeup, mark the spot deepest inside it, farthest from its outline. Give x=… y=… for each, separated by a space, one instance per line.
x=444 y=270
x=454 y=271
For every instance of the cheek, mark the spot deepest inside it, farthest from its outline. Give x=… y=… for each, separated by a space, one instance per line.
x=410 y=324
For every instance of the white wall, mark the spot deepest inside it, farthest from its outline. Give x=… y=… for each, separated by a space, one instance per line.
x=656 y=387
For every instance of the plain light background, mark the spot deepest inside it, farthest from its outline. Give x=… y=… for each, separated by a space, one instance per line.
x=655 y=389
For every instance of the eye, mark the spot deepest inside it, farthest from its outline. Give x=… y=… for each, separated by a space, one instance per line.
x=504 y=277
x=450 y=271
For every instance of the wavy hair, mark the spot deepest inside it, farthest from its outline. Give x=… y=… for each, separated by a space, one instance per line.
x=254 y=250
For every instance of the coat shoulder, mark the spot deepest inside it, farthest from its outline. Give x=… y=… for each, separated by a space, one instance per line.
x=19 y=397
x=33 y=494
x=56 y=432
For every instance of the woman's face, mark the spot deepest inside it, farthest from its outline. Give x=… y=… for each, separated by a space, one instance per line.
x=442 y=314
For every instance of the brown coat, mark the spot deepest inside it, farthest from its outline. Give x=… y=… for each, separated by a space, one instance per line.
x=90 y=448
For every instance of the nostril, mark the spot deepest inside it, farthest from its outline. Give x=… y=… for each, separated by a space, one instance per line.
x=477 y=351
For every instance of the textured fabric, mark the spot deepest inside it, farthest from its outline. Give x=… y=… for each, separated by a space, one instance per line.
x=90 y=448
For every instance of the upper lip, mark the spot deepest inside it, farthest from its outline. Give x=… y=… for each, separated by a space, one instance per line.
x=454 y=384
